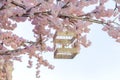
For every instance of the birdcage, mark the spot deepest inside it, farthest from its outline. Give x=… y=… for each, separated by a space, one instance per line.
x=64 y=45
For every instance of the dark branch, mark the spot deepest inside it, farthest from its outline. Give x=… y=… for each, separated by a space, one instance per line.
x=37 y=13
x=1 y=54
x=33 y=7
x=11 y=52
x=66 y=5
x=2 y=8
x=20 y=5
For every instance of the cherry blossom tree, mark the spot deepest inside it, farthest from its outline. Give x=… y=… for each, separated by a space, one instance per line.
x=46 y=16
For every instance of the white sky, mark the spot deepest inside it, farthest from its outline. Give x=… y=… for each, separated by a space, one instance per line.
x=100 y=61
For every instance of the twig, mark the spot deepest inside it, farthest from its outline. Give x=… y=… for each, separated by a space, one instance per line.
x=10 y=52
x=116 y=17
x=20 y=5
x=116 y=23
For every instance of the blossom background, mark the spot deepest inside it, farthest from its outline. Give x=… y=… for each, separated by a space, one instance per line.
x=100 y=61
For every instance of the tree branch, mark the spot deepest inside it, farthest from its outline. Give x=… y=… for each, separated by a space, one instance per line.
x=20 y=5
x=10 y=52
x=70 y=17
x=81 y=18
x=60 y=15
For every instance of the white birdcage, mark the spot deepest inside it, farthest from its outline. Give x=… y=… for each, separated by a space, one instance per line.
x=64 y=45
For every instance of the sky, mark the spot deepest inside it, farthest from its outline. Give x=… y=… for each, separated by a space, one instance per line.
x=100 y=61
